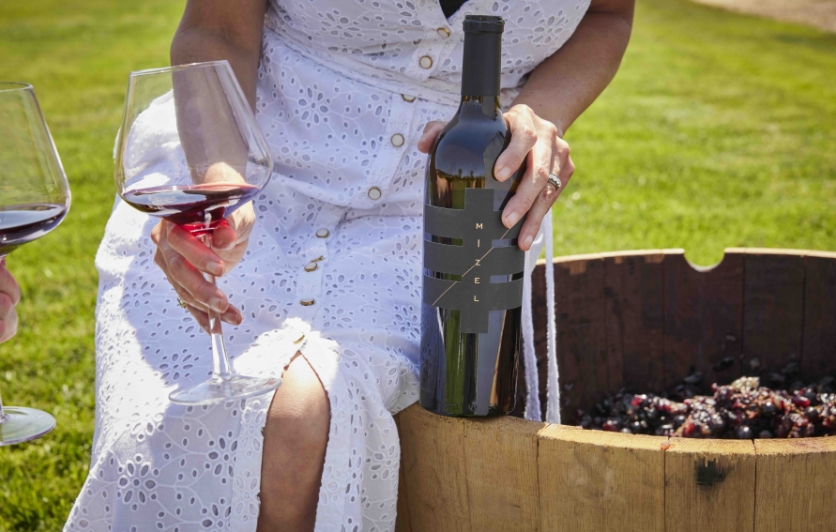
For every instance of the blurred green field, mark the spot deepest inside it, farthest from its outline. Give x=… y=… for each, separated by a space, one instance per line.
x=718 y=131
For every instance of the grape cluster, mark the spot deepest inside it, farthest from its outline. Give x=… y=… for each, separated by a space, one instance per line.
x=743 y=409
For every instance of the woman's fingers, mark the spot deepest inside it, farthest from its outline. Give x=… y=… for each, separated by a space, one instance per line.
x=197 y=307
x=545 y=199
x=524 y=135
x=224 y=237
x=199 y=295
x=230 y=239
x=563 y=167
x=431 y=132
x=531 y=197
x=9 y=298
x=8 y=284
x=6 y=306
x=8 y=317
x=534 y=179
x=195 y=252
x=186 y=276
x=200 y=311
x=200 y=317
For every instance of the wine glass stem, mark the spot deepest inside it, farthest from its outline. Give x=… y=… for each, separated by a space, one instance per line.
x=2 y=415
x=221 y=368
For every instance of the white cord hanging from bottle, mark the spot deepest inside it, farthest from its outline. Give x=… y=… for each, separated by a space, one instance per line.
x=532 y=405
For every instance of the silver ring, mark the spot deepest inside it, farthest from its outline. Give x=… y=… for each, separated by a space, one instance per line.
x=555 y=180
x=181 y=303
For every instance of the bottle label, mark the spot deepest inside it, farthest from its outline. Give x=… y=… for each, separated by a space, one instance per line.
x=486 y=252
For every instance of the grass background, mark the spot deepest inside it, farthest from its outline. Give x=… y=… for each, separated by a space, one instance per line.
x=718 y=131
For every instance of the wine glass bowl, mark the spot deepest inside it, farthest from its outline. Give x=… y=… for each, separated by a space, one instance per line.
x=34 y=199
x=34 y=194
x=190 y=151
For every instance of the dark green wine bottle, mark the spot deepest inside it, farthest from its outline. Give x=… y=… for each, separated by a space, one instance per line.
x=473 y=268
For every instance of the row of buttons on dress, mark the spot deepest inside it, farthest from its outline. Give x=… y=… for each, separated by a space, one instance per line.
x=426 y=62
x=312 y=267
x=374 y=193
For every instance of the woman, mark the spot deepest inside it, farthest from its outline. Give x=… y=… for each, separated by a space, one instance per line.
x=326 y=284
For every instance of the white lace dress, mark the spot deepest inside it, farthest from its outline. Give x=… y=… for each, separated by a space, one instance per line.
x=344 y=90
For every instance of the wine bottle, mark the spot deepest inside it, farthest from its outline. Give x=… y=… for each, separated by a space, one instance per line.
x=473 y=268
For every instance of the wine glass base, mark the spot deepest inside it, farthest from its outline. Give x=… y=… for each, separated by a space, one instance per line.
x=20 y=424
x=217 y=390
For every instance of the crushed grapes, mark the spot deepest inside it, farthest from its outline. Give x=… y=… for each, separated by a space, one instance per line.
x=743 y=409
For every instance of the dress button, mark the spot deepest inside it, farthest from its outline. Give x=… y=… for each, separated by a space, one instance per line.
x=311 y=266
x=307 y=302
x=443 y=32
x=375 y=193
x=426 y=62
x=397 y=140
x=408 y=98
x=323 y=233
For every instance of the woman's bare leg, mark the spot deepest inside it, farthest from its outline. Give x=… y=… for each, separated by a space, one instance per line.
x=295 y=437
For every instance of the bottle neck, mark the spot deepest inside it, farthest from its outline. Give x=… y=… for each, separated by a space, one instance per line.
x=481 y=64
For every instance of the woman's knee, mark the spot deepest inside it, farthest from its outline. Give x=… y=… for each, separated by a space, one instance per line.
x=296 y=432
x=301 y=401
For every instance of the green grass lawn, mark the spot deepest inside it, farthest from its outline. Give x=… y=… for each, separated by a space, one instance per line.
x=718 y=131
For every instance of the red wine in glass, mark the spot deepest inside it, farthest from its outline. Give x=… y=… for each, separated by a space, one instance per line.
x=20 y=224
x=197 y=208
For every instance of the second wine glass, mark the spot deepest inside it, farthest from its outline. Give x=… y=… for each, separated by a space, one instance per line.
x=34 y=198
x=190 y=151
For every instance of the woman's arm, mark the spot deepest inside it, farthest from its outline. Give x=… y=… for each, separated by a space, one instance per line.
x=556 y=93
x=565 y=84
x=211 y=30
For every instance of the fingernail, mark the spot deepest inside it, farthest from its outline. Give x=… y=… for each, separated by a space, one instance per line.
x=511 y=219
x=233 y=316
x=215 y=268
x=218 y=304
x=528 y=240
x=503 y=173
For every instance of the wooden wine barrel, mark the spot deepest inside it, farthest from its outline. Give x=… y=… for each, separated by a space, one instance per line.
x=642 y=319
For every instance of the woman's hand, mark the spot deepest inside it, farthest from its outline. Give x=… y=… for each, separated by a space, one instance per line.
x=9 y=298
x=183 y=258
x=537 y=142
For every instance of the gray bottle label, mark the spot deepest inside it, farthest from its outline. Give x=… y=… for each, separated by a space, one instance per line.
x=485 y=252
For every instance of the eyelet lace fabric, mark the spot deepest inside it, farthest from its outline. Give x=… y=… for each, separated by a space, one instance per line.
x=336 y=83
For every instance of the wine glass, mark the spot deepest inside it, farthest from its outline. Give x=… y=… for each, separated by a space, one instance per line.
x=189 y=151
x=34 y=198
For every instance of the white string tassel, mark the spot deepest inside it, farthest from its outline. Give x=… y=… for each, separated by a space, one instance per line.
x=532 y=382
x=553 y=388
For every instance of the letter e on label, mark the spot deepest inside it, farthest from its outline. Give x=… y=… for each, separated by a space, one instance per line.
x=475 y=280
